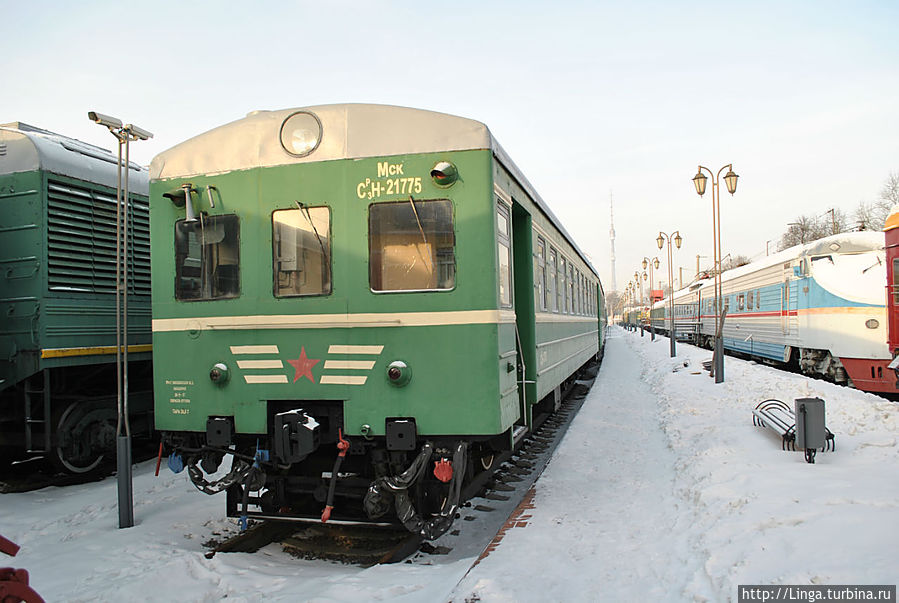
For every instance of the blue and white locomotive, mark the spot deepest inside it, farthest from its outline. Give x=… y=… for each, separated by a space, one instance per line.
x=818 y=306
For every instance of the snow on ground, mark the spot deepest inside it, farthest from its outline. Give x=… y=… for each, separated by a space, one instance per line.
x=661 y=490
x=687 y=499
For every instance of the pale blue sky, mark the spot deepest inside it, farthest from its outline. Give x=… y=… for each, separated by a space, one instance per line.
x=587 y=97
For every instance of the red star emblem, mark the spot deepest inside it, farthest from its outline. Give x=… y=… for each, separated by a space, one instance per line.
x=303 y=366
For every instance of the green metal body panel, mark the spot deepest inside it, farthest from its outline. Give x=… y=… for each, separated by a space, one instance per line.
x=455 y=384
x=46 y=311
x=20 y=285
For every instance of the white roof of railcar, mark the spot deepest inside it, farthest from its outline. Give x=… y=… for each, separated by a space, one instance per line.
x=349 y=131
x=25 y=148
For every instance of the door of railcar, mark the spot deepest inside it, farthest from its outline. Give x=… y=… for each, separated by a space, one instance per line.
x=515 y=254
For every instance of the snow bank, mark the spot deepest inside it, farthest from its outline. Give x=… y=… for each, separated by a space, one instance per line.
x=764 y=515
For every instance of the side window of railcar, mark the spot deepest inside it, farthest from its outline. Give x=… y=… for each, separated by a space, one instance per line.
x=540 y=275
x=895 y=281
x=579 y=309
x=552 y=304
x=411 y=246
x=563 y=286
x=749 y=300
x=572 y=303
x=207 y=258
x=301 y=241
x=504 y=251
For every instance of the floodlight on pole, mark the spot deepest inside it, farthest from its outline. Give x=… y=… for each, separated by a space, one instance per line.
x=123 y=134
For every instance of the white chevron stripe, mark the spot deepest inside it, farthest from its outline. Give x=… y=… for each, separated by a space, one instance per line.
x=355 y=349
x=265 y=378
x=254 y=349
x=365 y=365
x=342 y=380
x=260 y=364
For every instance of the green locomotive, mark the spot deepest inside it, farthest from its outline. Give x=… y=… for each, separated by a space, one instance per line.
x=365 y=306
x=57 y=300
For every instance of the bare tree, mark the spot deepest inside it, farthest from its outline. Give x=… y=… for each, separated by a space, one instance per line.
x=802 y=230
x=890 y=191
x=734 y=262
x=871 y=216
x=835 y=221
x=868 y=216
x=614 y=302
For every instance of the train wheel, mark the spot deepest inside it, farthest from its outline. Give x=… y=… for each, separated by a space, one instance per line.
x=82 y=440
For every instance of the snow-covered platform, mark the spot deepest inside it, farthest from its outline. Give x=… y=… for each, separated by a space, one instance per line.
x=662 y=489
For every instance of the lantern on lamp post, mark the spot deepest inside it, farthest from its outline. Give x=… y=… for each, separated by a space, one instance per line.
x=660 y=241
x=650 y=263
x=699 y=181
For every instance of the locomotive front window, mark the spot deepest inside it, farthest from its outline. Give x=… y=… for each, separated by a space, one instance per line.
x=411 y=246
x=301 y=240
x=207 y=258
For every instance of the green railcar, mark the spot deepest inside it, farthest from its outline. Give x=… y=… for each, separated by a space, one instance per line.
x=57 y=299
x=365 y=306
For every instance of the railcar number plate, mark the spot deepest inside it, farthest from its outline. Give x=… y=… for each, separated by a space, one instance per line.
x=389 y=181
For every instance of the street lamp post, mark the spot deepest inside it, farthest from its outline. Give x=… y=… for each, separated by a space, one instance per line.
x=638 y=287
x=631 y=286
x=124 y=134
x=660 y=240
x=654 y=262
x=699 y=181
x=627 y=299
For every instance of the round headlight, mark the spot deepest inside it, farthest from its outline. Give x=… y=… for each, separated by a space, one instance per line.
x=444 y=173
x=399 y=373
x=872 y=323
x=301 y=133
x=219 y=373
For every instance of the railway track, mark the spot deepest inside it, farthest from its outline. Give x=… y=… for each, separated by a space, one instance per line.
x=479 y=527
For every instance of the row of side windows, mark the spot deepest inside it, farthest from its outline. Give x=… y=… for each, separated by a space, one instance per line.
x=742 y=301
x=559 y=287
x=411 y=248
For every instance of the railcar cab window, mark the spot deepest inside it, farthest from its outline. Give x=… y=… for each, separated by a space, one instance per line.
x=411 y=246
x=301 y=241
x=504 y=251
x=207 y=258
